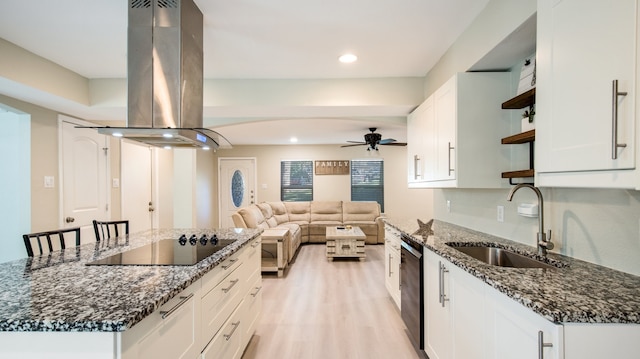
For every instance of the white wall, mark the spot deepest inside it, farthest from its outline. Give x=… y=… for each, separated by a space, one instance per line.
x=601 y=226
x=15 y=206
x=399 y=200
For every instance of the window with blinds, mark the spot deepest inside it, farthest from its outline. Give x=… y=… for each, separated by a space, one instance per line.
x=296 y=181
x=367 y=181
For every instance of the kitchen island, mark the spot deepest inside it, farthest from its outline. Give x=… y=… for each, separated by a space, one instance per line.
x=590 y=311
x=58 y=304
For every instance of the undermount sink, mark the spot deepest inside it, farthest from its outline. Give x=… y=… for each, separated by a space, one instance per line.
x=500 y=257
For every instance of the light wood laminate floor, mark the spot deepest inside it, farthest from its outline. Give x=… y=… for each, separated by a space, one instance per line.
x=321 y=309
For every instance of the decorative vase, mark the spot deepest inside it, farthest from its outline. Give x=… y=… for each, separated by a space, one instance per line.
x=526 y=125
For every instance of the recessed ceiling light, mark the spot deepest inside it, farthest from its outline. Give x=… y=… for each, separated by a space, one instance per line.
x=348 y=58
x=293 y=139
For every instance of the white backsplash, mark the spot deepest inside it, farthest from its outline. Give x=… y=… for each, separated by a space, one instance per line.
x=601 y=226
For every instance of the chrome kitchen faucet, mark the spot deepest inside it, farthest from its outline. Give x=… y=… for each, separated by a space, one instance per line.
x=544 y=241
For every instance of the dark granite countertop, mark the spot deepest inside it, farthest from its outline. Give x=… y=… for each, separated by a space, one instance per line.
x=58 y=292
x=576 y=292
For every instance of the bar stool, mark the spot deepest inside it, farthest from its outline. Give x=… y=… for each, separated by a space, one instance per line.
x=108 y=229
x=45 y=243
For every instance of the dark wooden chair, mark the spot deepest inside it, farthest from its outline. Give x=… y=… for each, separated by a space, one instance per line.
x=46 y=242
x=110 y=229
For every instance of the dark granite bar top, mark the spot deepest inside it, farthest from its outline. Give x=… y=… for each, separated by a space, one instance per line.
x=575 y=292
x=58 y=292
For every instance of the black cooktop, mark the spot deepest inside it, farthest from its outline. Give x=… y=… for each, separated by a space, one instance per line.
x=171 y=252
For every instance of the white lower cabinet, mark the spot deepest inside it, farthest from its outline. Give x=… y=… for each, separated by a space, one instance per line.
x=454 y=311
x=466 y=318
x=172 y=331
x=515 y=332
x=392 y=263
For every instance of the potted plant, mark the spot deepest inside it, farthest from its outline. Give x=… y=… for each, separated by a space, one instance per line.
x=527 y=119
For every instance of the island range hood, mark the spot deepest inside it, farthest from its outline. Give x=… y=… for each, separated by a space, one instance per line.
x=165 y=76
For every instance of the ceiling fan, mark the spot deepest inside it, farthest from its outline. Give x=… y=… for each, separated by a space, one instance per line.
x=374 y=139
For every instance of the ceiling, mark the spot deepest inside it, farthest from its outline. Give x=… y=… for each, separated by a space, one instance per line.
x=257 y=39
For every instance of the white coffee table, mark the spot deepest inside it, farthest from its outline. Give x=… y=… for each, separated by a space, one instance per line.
x=345 y=242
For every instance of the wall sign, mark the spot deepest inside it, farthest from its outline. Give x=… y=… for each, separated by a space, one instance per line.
x=334 y=167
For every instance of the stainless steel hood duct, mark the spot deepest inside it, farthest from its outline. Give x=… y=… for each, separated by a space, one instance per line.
x=165 y=76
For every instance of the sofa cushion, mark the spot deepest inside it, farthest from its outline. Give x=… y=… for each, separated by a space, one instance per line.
x=279 y=212
x=253 y=217
x=326 y=211
x=267 y=213
x=360 y=211
x=298 y=211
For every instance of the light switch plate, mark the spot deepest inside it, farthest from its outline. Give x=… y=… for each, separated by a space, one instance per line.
x=49 y=182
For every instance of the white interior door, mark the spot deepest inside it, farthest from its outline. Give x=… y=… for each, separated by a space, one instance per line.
x=136 y=175
x=237 y=186
x=84 y=176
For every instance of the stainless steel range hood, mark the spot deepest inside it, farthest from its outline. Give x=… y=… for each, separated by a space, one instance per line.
x=165 y=76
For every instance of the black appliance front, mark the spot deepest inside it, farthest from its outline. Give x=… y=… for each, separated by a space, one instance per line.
x=412 y=293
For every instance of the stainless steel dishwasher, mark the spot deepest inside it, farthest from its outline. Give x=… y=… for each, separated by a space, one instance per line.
x=412 y=290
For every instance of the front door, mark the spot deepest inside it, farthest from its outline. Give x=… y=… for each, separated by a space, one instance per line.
x=85 y=193
x=237 y=186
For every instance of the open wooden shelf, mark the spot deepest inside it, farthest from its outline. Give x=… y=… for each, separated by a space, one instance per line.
x=523 y=100
x=518 y=174
x=524 y=137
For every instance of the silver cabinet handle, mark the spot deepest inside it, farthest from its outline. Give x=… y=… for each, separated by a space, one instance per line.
x=233 y=282
x=439 y=282
x=258 y=289
x=231 y=261
x=542 y=345
x=443 y=296
x=390 y=272
x=253 y=245
x=415 y=167
x=235 y=326
x=614 y=121
x=183 y=300
x=449 y=160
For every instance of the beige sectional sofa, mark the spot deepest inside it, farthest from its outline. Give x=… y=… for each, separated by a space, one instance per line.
x=307 y=221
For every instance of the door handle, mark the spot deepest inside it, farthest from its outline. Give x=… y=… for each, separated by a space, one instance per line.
x=69 y=219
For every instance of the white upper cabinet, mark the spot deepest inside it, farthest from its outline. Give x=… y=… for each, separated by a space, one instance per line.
x=586 y=131
x=454 y=135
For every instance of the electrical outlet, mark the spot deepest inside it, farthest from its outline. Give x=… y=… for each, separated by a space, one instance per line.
x=448 y=206
x=500 y=213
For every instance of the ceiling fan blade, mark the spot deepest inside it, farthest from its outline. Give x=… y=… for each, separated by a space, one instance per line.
x=357 y=144
x=386 y=141
x=394 y=144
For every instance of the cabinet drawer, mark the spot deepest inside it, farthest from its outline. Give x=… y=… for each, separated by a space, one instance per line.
x=250 y=309
x=227 y=344
x=349 y=246
x=217 y=274
x=220 y=302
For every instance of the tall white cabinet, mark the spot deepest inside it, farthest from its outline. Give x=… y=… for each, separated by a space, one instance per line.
x=454 y=135
x=586 y=129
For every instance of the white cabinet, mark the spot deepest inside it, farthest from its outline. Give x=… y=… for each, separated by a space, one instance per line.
x=515 y=332
x=172 y=331
x=583 y=47
x=392 y=263
x=454 y=311
x=419 y=126
x=454 y=136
